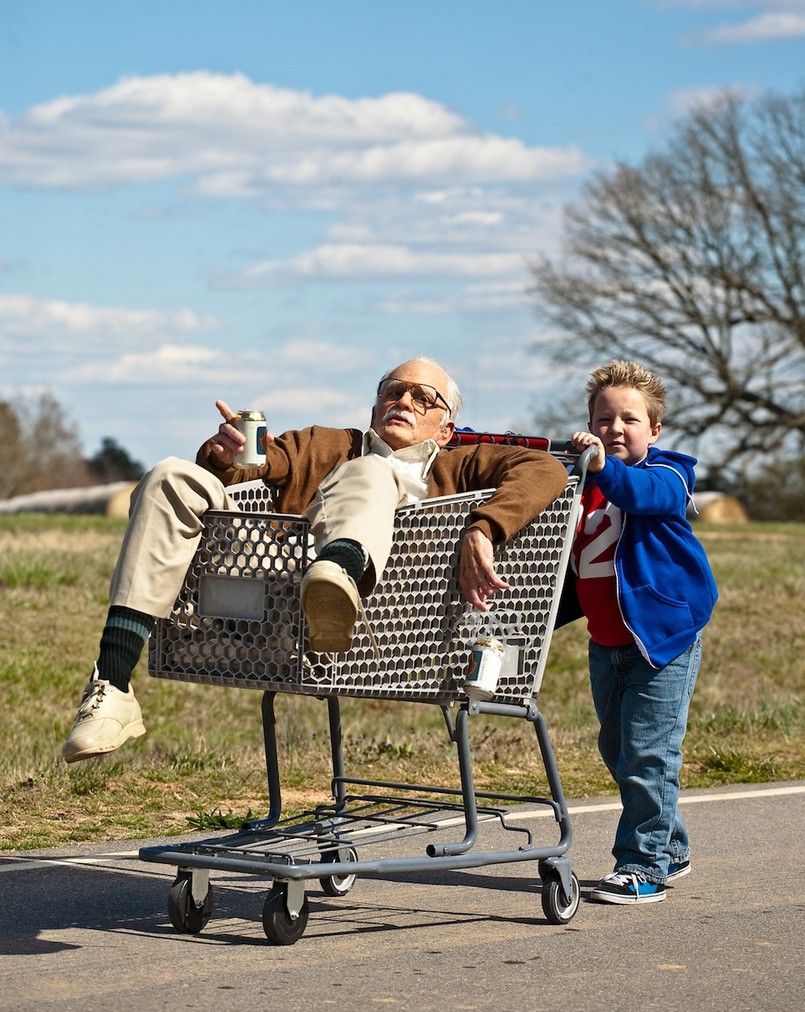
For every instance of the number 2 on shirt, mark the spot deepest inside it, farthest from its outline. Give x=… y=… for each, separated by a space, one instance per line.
x=599 y=536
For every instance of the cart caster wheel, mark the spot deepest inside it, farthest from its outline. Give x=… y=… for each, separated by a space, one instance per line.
x=338 y=885
x=184 y=915
x=279 y=926
x=553 y=903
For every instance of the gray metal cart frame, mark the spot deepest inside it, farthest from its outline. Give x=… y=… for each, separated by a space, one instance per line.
x=238 y=622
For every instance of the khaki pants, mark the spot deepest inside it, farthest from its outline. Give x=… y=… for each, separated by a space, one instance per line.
x=357 y=500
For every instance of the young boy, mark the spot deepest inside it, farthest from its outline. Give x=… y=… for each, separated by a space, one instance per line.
x=644 y=584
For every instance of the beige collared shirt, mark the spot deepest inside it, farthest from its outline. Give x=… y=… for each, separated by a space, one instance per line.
x=412 y=463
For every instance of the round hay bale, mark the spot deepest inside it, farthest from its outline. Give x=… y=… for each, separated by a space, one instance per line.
x=117 y=505
x=717 y=508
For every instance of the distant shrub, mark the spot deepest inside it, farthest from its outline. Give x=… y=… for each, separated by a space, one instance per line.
x=777 y=491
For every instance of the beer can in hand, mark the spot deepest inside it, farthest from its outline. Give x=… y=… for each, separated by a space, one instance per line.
x=253 y=426
x=485 y=666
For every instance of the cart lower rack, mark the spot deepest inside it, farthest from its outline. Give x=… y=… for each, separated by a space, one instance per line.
x=238 y=622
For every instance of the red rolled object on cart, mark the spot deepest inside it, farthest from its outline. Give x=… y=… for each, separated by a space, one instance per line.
x=466 y=437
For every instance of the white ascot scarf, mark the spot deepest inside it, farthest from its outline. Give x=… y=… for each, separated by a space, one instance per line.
x=412 y=463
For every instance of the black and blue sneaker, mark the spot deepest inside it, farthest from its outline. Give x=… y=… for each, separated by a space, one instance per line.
x=627 y=887
x=678 y=869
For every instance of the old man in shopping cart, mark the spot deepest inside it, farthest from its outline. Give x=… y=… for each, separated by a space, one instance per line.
x=349 y=482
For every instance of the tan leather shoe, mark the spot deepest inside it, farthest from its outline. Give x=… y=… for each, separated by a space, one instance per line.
x=107 y=718
x=330 y=601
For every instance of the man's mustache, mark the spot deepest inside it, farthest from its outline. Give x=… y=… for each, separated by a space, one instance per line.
x=396 y=414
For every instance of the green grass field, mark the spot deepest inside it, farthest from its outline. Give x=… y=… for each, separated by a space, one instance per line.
x=202 y=764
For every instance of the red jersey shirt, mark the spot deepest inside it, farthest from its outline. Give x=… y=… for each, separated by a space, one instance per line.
x=593 y=562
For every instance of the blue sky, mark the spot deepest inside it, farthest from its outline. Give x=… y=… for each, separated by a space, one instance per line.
x=274 y=202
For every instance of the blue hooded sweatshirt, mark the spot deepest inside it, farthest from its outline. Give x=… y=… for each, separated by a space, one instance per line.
x=665 y=587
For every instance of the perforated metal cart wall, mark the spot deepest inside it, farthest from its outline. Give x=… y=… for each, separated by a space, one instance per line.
x=238 y=622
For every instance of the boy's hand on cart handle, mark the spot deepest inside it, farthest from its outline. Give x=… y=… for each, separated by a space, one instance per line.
x=229 y=440
x=476 y=575
x=581 y=440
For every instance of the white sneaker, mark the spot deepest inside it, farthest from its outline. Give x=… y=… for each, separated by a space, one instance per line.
x=107 y=718
x=330 y=601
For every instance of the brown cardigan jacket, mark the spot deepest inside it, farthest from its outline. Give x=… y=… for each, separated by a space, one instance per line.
x=526 y=481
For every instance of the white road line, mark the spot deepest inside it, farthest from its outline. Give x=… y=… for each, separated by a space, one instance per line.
x=25 y=864
x=696 y=798
x=614 y=806
x=29 y=864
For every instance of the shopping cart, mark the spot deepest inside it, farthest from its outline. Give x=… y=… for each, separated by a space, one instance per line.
x=238 y=622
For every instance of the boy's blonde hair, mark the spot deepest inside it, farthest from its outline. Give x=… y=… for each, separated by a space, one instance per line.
x=619 y=373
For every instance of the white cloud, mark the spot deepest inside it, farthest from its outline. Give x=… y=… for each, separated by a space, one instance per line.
x=165 y=364
x=303 y=354
x=469 y=218
x=685 y=100
x=26 y=316
x=484 y=218
x=409 y=162
x=765 y=27
x=377 y=260
x=778 y=19
x=334 y=404
x=231 y=104
x=465 y=158
x=234 y=137
x=481 y=298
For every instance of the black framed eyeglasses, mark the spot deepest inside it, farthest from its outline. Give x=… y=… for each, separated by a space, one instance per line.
x=423 y=395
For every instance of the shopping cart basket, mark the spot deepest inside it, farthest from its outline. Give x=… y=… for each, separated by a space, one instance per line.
x=238 y=622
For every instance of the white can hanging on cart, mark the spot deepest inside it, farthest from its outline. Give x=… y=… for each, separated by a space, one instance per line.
x=485 y=666
x=253 y=426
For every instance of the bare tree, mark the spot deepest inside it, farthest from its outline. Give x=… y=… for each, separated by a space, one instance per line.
x=39 y=448
x=693 y=263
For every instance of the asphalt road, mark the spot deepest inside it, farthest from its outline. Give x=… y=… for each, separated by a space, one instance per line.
x=87 y=929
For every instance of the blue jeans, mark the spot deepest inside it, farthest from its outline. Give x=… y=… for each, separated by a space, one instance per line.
x=643 y=712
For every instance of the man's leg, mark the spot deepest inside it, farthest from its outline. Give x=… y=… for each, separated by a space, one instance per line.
x=352 y=521
x=159 y=544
